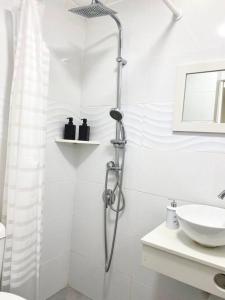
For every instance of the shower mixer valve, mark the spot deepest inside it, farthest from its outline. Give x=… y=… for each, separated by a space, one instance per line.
x=111 y=166
x=109 y=197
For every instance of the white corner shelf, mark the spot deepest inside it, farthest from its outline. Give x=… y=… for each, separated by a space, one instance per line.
x=58 y=140
x=172 y=253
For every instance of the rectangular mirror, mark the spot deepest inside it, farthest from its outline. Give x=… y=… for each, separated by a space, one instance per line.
x=200 y=103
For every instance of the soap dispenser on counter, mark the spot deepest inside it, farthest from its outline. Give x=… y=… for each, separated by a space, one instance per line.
x=70 y=130
x=171 y=216
x=84 y=131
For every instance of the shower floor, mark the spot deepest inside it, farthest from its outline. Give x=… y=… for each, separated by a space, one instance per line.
x=68 y=294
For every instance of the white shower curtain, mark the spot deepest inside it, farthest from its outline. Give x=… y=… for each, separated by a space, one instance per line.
x=23 y=188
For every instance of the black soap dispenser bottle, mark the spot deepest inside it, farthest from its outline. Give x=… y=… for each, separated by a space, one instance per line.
x=84 y=131
x=70 y=130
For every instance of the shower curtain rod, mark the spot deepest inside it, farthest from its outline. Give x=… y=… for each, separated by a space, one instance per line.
x=176 y=12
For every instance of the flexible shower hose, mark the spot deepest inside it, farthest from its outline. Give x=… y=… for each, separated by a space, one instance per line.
x=119 y=208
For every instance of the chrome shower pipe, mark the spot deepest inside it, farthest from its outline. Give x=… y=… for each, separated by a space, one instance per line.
x=176 y=11
x=119 y=145
x=113 y=196
x=121 y=62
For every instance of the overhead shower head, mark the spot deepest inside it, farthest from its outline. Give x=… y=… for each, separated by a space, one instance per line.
x=95 y=9
x=116 y=114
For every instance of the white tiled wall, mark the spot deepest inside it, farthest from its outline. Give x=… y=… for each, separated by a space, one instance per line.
x=160 y=164
x=64 y=34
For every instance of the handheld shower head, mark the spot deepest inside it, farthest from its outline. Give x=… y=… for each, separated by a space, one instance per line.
x=95 y=9
x=116 y=114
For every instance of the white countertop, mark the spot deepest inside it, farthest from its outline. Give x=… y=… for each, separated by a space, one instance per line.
x=176 y=242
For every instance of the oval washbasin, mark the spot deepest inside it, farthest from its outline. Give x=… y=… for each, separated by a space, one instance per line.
x=202 y=223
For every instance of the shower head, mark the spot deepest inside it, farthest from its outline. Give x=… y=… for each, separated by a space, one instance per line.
x=116 y=114
x=95 y=9
x=120 y=140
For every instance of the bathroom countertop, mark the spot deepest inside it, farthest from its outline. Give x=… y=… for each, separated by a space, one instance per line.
x=176 y=242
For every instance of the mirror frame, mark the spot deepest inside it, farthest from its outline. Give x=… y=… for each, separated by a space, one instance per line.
x=194 y=126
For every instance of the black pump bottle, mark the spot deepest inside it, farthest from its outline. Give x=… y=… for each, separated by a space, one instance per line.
x=84 y=131
x=70 y=130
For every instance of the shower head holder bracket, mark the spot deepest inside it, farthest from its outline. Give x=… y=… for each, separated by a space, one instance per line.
x=118 y=143
x=121 y=60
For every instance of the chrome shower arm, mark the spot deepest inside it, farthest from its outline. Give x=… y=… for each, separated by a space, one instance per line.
x=176 y=11
x=120 y=60
x=120 y=37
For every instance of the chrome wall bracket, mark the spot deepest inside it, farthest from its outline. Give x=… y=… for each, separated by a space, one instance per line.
x=121 y=60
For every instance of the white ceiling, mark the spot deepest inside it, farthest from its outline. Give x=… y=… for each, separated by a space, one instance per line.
x=84 y=2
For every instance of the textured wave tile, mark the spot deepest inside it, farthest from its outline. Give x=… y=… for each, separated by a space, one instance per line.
x=148 y=125
x=158 y=132
x=102 y=126
x=134 y=122
x=56 y=118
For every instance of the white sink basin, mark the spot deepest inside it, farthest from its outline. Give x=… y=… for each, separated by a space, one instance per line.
x=202 y=223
